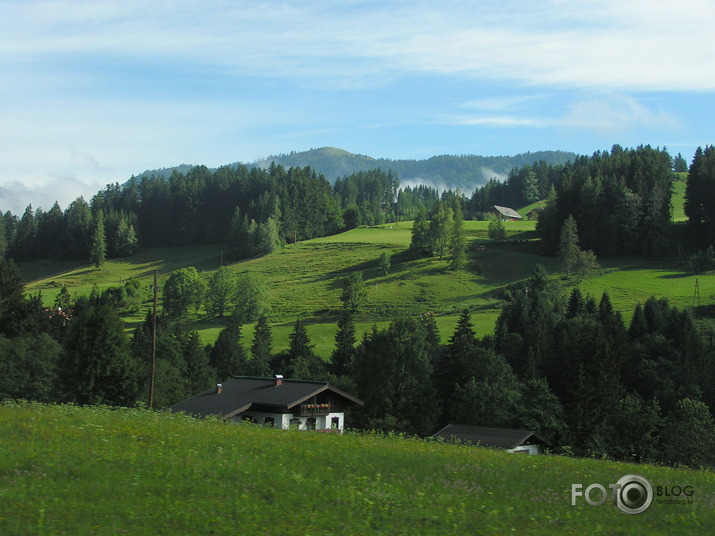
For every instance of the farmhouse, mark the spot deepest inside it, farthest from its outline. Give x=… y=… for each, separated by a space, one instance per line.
x=506 y=213
x=278 y=402
x=523 y=441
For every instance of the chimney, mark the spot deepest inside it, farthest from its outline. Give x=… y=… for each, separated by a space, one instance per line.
x=219 y=388
x=279 y=380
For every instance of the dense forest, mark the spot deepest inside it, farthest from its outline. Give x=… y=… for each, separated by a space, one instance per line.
x=620 y=202
x=561 y=363
x=444 y=171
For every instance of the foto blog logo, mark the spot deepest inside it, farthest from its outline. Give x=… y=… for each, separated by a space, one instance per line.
x=632 y=494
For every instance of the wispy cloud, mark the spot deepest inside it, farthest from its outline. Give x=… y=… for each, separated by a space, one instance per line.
x=614 y=113
x=603 y=112
x=621 y=45
x=98 y=89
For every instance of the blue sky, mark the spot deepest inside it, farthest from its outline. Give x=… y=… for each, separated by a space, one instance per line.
x=92 y=92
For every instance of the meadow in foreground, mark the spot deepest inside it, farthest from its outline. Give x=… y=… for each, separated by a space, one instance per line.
x=77 y=471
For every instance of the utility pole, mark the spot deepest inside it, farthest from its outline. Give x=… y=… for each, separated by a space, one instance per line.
x=153 y=349
x=696 y=296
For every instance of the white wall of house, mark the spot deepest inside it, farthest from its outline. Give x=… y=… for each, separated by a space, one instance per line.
x=525 y=449
x=282 y=420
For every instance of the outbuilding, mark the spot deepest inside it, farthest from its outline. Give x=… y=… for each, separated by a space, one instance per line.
x=509 y=439
x=506 y=213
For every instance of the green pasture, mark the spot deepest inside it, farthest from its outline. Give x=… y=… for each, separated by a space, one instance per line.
x=678 y=199
x=305 y=280
x=97 y=470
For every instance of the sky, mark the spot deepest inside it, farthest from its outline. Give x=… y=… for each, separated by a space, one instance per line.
x=92 y=92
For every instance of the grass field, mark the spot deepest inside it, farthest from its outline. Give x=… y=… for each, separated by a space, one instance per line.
x=82 y=471
x=305 y=280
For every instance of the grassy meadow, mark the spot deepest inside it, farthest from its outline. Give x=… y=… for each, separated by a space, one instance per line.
x=97 y=470
x=305 y=280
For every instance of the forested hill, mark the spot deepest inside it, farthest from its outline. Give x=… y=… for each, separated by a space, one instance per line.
x=465 y=172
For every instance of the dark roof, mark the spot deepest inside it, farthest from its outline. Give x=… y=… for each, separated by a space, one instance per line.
x=508 y=212
x=505 y=438
x=239 y=394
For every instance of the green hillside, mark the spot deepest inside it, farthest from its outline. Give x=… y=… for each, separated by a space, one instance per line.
x=96 y=470
x=305 y=279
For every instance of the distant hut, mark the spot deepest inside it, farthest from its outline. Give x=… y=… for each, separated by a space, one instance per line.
x=506 y=213
x=535 y=213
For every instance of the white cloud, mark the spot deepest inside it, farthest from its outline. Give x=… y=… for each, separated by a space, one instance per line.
x=16 y=196
x=615 y=112
x=652 y=45
x=500 y=103
x=79 y=96
x=495 y=121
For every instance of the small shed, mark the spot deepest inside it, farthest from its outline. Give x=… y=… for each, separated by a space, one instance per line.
x=507 y=213
x=509 y=439
x=535 y=213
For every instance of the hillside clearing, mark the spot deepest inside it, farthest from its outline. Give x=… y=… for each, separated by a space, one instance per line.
x=305 y=280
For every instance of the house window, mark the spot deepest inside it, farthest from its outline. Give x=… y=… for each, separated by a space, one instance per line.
x=335 y=422
x=248 y=418
x=269 y=421
x=295 y=424
x=310 y=423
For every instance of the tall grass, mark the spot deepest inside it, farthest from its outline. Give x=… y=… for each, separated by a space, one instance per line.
x=68 y=470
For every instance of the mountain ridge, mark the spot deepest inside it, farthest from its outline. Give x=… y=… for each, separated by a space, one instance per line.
x=444 y=171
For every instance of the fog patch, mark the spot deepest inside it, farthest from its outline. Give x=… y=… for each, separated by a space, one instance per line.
x=15 y=196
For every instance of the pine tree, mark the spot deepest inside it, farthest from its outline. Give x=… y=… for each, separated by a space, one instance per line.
x=700 y=195
x=126 y=241
x=62 y=300
x=261 y=348
x=440 y=227
x=679 y=164
x=457 y=239
x=98 y=252
x=227 y=356
x=455 y=364
x=199 y=374
x=496 y=230
x=26 y=236
x=568 y=244
x=344 y=352
x=420 y=243
x=267 y=237
x=302 y=362
x=97 y=367
x=530 y=186
x=3 y=238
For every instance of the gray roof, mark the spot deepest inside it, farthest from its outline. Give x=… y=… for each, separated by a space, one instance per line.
x=508 y=212
x=242 y=392
x=505 y=438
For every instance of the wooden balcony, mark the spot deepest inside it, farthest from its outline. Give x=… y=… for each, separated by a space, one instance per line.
x=314 y=410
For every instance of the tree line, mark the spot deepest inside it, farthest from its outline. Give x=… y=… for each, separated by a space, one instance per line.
x=252 y=211
x=566 y=366
x=620 y=200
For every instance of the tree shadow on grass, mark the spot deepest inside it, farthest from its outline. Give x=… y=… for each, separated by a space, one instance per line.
x=675 y=276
